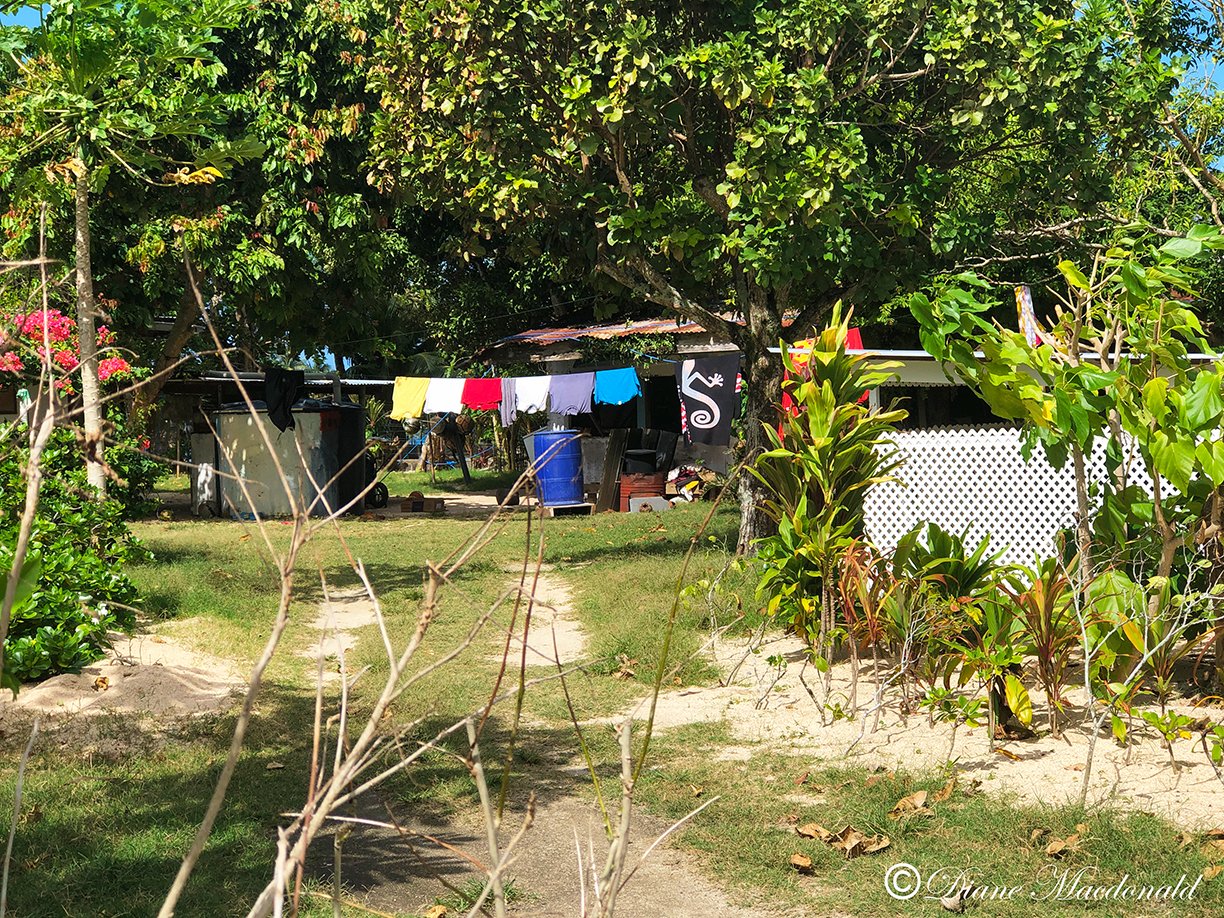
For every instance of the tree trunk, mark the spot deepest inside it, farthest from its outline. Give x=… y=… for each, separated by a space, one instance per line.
x=180 y=333
x=763 y=383
x=1083 y=528
x=87 y=312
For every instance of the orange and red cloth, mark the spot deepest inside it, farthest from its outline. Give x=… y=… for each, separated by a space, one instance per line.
x=801 y=355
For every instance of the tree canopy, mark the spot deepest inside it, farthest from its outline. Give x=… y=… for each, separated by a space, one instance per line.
x=748 y=164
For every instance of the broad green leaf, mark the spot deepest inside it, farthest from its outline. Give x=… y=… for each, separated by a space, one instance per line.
x=1155 y=395
x=1174 y=459
x=1182 y=248
x=1073 y=275
x=1018 y=699
x=1202 y=405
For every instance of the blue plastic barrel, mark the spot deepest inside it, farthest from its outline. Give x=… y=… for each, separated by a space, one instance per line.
x=558 y=454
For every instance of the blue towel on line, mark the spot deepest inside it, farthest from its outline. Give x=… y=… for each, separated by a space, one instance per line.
x=615 y=387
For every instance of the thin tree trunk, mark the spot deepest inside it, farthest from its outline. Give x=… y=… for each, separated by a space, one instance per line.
x=180 y=333
x=1083 y=531
x=763 y=381
x=87 y=312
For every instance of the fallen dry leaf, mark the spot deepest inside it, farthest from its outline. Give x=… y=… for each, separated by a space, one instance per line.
x=955 y=902
x=1008 y=755
x=1184 y=839
x=697 y=791
x=101 y=684
x=945 y=792
x=876 y=779
x=802 y=779
x=853 y=843
x=275 y=766
x=245 y=537
x=1213 y=849
x=1037 y=834
x=1213 y=833
x=910 y=805
x=801 y=862
x=1061 y=846
x=813 y=830
x=1212 y=871
x=436 y=911
x=790 y=818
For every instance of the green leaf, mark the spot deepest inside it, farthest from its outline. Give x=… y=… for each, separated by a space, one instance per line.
x=1155 y=397
x=1182 y=248
x=27 y=581
x=1174 y=459
x=1202 y=405
x=1073 y=275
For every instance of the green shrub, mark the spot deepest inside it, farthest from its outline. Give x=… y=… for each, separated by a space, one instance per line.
x=78 y=547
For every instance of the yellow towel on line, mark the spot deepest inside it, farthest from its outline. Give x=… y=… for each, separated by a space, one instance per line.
x=408 y=397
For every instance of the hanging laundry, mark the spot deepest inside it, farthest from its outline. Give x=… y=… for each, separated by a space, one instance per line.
x=1028 y=319
x=523 y=395
x=531 y=394
x=707 y=397
x=445 y=396
x=281 y=388
x=570 y=393
x=483 y=394
x=615 y=387
x=408 y=397
x=509 y=384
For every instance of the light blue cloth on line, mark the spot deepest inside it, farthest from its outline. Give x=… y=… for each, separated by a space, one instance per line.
x=615 y=387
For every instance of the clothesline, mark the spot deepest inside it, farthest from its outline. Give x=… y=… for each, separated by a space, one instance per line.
x=706 y=388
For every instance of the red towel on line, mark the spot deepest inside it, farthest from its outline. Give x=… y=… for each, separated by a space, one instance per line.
x=482 y=394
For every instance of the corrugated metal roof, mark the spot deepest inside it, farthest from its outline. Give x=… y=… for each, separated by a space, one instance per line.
x=542 y=336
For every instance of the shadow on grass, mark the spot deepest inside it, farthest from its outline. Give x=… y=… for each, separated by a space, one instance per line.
x=108 y=815
x=107 y=818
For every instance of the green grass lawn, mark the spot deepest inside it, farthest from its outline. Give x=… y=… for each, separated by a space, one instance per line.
x=109 y=828
x=108 y=816
x=447 y=481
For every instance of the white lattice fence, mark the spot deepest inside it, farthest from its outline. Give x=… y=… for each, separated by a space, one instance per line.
x=977 y=479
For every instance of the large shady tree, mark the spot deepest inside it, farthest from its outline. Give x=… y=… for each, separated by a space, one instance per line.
x=100 y=87
x=748 y=164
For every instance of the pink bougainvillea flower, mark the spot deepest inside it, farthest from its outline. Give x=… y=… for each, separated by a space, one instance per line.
x=67 y=360
x=112 y=366
x=10 y=363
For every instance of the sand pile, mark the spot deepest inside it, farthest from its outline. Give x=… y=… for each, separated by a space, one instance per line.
x=140 y=674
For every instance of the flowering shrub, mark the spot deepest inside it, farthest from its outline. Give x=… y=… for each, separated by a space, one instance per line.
x=30 y=334
x=78 y=548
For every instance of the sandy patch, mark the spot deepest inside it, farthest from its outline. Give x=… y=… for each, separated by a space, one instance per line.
x=554 y=635
x=340 y=617
x=770 y=706
x=140 y=674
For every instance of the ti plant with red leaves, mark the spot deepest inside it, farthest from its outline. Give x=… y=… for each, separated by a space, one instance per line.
x=1053 y=632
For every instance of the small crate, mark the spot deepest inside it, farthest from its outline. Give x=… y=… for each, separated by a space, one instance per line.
x=632 y=486
x=423 y=504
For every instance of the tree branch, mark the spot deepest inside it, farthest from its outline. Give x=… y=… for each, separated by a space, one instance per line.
x=653 y=286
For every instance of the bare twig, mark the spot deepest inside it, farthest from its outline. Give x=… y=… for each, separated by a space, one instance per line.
x=8 y=849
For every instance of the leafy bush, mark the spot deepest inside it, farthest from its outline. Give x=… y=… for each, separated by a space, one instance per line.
x=77 y=591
